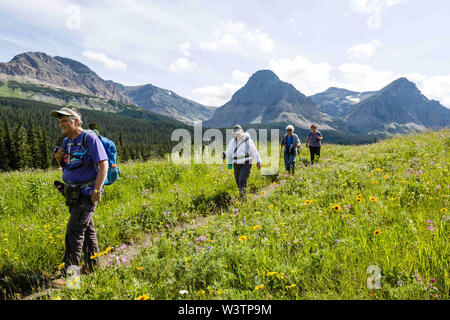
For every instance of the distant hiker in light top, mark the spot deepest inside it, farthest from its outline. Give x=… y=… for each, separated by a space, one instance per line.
x=84 y=178
x=240 y=151
x=314 y=141
x=291 y=142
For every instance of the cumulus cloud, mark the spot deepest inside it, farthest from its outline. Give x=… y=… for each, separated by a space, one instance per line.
x=219 y=95
x=185 y=48
x=236 y=36
x=308 y=77
x=361 y=77
x=105 y=60
x=373 y=9
x=434 y=87
x=363 y=50
x=182 y=64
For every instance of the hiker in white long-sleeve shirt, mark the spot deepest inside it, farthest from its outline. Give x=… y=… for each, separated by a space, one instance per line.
x=240 y=152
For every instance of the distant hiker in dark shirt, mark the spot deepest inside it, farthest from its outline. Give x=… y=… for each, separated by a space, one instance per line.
x=84 y=173
x=314 y=141
x=291 y=142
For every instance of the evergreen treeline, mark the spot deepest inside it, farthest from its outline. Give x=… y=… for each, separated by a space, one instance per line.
x=28 y=133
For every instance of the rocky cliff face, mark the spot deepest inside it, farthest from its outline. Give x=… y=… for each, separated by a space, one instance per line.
x=58 y=72
x=168 y=103
x=398 y=107
x=338 y=102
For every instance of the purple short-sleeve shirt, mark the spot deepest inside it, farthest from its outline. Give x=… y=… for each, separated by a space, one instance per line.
x=78 y=171
x=313 y=141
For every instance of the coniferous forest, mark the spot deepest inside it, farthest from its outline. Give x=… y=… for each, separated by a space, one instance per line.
x=28 y=133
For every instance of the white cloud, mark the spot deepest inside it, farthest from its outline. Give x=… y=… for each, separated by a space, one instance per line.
x=306 y=76
x=236 y=36
x=185 y=48
x=373 y=9
x=182 y=64
x=363 y=50
x=360 y=77
x=106 y=61
x=219 y=95
x=433 y=87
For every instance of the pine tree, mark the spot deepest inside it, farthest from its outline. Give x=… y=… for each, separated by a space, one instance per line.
x=44 y=152
x=33 y=145
x=125 y=156
x=3 y=155
x=9 y=146
x=20 y=147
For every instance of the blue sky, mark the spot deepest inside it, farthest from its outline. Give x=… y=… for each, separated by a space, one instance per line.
x=206 y=50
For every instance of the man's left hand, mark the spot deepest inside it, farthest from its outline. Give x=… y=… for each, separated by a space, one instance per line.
x=258 y=165
x=96 y=197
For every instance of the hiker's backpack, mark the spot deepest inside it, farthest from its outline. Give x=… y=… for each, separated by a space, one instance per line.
x=111 y=152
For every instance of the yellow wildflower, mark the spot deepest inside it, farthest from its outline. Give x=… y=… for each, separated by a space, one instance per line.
x=336 y=208
x=373 y=199
x=243 y=238
x=308 y=202
x=140 y=268
x=256 y=227
x=377 y=232
x=444 y=210
x=143 y=297
x=61 y=266
x=259 y=287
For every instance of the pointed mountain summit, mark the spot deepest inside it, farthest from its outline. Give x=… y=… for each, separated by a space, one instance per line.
x=58 y=72
x=267 y=99
x=398 y=107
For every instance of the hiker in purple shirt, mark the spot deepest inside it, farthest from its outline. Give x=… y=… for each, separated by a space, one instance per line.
x=84 y=164
x=314 y=142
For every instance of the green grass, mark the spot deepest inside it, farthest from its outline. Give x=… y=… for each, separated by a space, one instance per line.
x=290 y=244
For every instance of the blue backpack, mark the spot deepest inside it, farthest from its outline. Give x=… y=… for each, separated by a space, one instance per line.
x=111 y=152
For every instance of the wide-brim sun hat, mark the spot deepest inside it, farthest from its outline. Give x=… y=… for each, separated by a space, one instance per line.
x=65 y=112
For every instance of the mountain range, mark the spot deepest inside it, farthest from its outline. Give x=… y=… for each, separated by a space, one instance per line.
x=264 y=100
x=399 y=107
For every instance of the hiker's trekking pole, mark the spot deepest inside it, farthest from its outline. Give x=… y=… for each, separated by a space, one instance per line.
x=220 y=169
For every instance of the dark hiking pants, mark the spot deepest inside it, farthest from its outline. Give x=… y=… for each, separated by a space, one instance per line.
x=80 y=234
x=241 y=174
x=314 y=151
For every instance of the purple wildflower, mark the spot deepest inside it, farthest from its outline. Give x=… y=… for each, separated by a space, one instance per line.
x=438 y=187
x=432 y=280
x=201 y=238
x=429 y=221
x=419 y=171
x=430 y=227
x=244 y=221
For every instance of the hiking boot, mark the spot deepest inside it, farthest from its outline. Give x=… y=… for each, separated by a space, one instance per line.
x=58 y=283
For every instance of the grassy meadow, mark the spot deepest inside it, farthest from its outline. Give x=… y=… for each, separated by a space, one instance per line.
x=325 y=233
